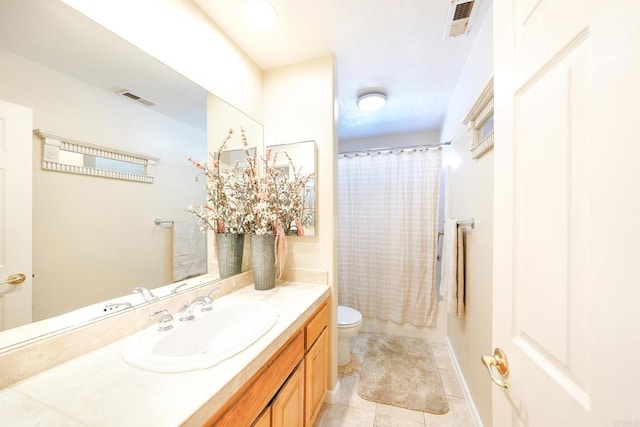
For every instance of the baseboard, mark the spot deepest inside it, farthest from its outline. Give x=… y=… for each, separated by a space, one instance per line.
x=465 y=387
x=332 y=395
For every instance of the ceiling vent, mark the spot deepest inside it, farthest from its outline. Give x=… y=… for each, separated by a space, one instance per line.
x=459 y=17
x=136 y=98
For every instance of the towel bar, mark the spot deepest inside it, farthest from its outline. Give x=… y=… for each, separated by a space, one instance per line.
x=468 y=223
x=158 y=221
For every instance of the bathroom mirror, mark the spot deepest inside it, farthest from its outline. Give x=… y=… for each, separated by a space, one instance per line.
x=230 y=159
x=96 y=239
x=303 y=155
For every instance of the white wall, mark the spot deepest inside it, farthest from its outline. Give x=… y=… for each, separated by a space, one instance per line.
x=298 y=106
x=94 y=238
x=179 y=34
x=471 y=196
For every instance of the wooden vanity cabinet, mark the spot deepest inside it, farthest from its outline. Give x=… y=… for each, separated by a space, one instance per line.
x=289 y=389
x=264 y=420
x=316 y=363
x=287 y=408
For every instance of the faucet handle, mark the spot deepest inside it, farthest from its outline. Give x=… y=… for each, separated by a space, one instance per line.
x=147 y=295
x=178 y=286
x=166 y=319
x=213 y=291
x=208 y=303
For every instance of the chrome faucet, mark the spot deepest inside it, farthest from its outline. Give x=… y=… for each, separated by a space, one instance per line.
x=186 y=313
x=166 y=319
x=146 y=293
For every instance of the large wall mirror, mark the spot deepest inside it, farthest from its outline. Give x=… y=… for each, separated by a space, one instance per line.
x=96 y=239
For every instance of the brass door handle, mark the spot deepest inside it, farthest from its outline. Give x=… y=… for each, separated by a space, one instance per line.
x=14 y=279
x=499 y=360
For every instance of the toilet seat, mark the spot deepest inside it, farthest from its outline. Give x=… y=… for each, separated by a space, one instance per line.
x=348 y=316
x=349 y=322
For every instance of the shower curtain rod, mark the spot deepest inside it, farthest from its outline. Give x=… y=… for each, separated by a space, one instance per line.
x=381 y=149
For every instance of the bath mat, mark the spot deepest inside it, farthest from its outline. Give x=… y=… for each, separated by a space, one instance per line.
x=402 y=372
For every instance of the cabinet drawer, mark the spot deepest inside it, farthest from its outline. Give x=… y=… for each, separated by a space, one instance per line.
x=316 y=325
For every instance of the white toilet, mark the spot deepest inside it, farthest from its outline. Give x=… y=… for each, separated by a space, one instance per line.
x=349 y=322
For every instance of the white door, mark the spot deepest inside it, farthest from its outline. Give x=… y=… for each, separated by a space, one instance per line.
x=15 y=213
x=566 y=296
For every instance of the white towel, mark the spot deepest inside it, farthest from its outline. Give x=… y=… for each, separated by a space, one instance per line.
x=189 y=250
x=452 y=268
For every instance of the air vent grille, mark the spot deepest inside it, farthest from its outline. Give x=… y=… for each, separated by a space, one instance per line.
x=463 y=10
x=136 y=98
x=459 y=17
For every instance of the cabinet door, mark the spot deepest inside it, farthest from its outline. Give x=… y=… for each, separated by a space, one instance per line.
x=315 y=377
x=264 y=420
x=287 y=410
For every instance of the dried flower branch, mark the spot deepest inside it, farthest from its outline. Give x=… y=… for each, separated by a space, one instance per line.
x=224 y=210
x=256 y=199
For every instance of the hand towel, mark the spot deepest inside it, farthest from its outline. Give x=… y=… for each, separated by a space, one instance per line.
x=189 y=250
x=452 y=268
x=459 y=311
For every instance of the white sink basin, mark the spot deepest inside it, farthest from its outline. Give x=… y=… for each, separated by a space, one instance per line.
x=204 y=342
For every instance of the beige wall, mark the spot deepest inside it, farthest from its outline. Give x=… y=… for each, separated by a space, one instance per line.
x=471 y=196
x=299 y=106
x=179 y=34
x=94 y=238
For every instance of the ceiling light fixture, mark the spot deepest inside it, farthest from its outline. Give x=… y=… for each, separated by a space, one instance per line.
x=372 y=101
x=261 y=13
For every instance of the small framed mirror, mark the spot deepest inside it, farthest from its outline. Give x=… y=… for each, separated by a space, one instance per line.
x=67 y=155
x=232 y=158
x=480 y=122
x=303 y=157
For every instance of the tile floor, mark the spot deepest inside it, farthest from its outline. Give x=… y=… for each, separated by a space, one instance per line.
x=351 y=410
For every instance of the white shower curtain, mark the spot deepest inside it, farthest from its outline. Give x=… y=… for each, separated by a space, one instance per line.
x=388 y=230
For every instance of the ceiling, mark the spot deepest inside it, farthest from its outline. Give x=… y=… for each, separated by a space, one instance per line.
x=58 y=37
x=394 y=45
x=397 y=45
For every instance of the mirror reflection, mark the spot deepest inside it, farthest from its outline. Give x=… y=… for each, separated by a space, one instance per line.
x=95 y=239
x=66 y=155
x=303 y=162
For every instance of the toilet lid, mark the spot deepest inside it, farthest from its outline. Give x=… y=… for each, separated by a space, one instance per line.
x=348 y=316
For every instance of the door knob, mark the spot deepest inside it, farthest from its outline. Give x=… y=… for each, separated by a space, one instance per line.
x=14 y=279
x=499 y=360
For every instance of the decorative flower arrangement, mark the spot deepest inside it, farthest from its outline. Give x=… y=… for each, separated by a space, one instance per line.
x=260 y=199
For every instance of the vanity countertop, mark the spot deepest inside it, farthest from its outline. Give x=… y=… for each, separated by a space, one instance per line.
x=101 y=389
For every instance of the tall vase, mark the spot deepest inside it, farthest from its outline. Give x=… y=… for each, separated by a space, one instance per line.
x=230 y=247
x=263 y=260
